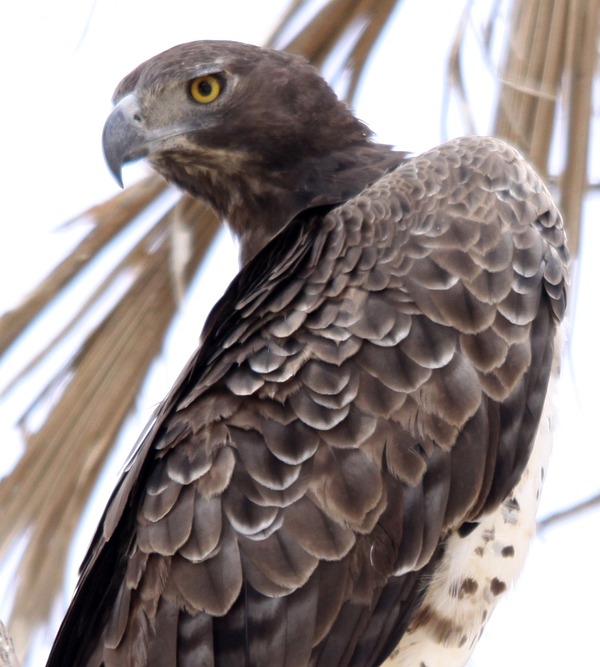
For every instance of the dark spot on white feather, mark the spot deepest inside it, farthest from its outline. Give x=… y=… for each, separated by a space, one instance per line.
x=468 y=587
x=497 y=587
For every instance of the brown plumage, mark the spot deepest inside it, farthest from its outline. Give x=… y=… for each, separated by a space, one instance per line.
x=368 y=388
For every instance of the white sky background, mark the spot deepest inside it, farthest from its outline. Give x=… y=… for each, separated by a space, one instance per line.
x=59 y=63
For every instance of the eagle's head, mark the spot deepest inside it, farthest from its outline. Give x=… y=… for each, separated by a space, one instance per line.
x=226 y=104
x=255 y=132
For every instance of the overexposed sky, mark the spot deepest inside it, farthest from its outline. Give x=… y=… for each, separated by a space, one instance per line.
x=59 y=63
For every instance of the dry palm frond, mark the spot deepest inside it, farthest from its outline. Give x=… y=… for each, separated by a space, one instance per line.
x=108 y=219
x=582 y=55
x=98 y=386
x=531 y=78
x=360 y=22
x=547 y=75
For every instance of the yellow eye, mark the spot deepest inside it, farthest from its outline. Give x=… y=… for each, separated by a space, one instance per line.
x=205 y=89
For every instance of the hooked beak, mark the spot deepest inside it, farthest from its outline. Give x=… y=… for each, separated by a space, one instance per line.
x=124 y=138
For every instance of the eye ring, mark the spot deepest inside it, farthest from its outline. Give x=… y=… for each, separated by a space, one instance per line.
x=205 y=89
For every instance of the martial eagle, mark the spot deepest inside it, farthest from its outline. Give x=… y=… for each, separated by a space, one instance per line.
x=343 y=472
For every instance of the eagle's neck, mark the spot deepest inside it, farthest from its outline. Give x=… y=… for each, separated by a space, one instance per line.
x=257 y=201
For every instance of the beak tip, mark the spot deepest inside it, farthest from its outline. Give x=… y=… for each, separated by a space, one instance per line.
x=122 y=138
x=116 y=174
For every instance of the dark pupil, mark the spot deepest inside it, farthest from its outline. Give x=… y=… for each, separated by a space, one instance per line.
x=205 y=88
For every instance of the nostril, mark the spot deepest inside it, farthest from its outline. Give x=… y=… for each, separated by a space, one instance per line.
x=137 y=118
